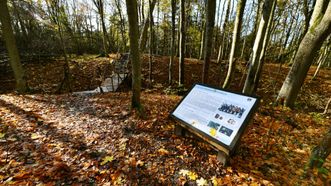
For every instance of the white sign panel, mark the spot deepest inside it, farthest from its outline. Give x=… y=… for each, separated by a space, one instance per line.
x=217 y=113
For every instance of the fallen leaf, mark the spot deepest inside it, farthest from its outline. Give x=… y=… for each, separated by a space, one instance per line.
x=300 y=151
x=214 y=180
x=163 y=151
x=139 y=163
x=192 y=175
x=107 y=159
x=202 y=182
x=183 y=172
x=35 y=136
x=2 y=135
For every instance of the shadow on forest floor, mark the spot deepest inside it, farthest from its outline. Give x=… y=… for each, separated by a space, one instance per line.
x=66 y=139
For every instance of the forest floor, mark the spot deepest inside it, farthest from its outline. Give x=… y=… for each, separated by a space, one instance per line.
x=61 y=139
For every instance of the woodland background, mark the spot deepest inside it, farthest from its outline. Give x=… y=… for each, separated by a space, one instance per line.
x=278 y=50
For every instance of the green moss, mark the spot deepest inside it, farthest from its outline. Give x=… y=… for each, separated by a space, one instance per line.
x=315 y=24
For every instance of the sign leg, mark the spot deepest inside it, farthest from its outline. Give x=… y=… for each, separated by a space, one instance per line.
x=179 y=130
x=222 y=157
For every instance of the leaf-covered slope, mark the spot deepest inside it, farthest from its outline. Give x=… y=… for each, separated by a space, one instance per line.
x=71 y=139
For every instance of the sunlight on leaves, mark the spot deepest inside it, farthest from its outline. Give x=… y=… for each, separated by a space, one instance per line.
x=123 y=144
x=35 y=136
x=202 y=182
x=2 y=135
x=183 y=172
x=107 y=159
x=163 y=151
x=214 y=180
x=254 y=184
x=191 y=175
x=140 y=163
x=120 y=180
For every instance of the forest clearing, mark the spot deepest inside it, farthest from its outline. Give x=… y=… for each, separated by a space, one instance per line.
x=96 y=139
x=104 y=92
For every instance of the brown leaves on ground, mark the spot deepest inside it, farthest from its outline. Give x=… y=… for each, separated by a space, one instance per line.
x=74 y=140
x=70 y=139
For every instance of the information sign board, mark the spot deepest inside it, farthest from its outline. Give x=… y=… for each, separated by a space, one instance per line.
x=219 y=115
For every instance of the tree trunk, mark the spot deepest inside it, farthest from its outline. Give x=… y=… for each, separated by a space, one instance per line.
x=320 y=152
x=309 y=19
x=66 y=81
x=22 y=24
x=305 y=11
x=105 y=39
x=235 y=38
x=173 y=35
x=216 y=25
x=222 y=46
x=131 y=6
x=202 y=31
x=156 y=39
x=310 y=44
x=243 y=49
x=187 y=21
x=318 y=12
x=58 y=17
x=259 y=11
x=151 y=46
x=211 y=8
x=122 y=24
x=165 y=38
x=258 y=44
x=264 y=47
x=327 y=107
x=323 y=56
x=181 y=43
x=287 y=37
x=202 y=42
x=15 y=62
x=144 y=32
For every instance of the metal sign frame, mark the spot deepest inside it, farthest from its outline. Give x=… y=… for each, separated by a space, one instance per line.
x=243 y=112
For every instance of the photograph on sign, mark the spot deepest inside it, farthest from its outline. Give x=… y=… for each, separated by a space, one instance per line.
x=217 y=113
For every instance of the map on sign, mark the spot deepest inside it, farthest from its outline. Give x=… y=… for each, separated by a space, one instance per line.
x=217 y=113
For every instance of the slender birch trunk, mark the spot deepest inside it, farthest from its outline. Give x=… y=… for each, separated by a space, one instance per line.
x=181 y=43
x=235 y=38
x=258 y=45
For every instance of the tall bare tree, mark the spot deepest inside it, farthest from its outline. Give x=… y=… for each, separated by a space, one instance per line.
x=122 y=25
x=324 y=54
x=151 y=45
x=235 y=38
x=131 y=7
x=99 y=4
x=181 y=42
x=221 y=49
x=15 y=62
x=319 y=30
x=211 y=8
x=258 y=44
x=144 y=32
x=58 y=18
x=173 y=35
x=203 y=25
x=264 y=47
